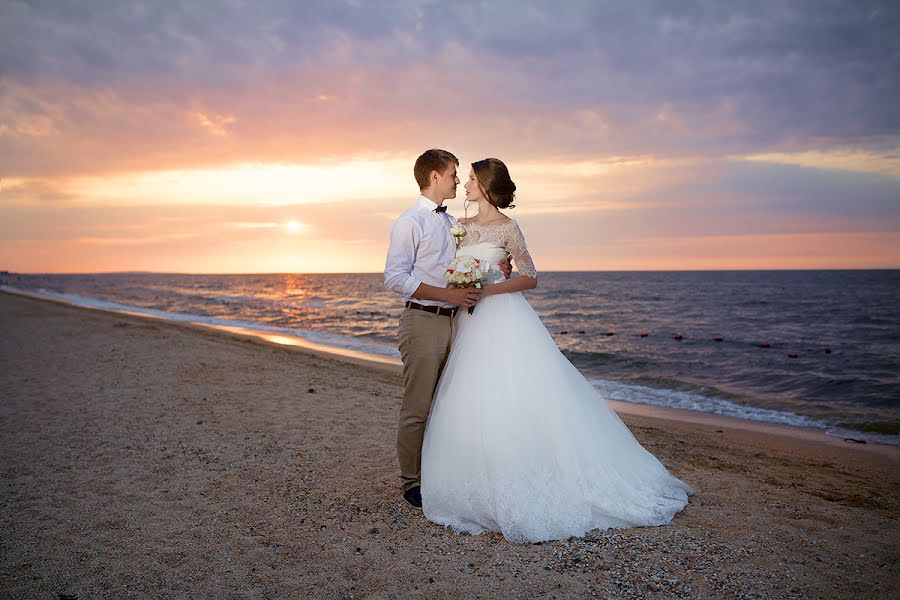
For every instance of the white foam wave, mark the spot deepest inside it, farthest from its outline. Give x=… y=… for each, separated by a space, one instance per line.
x=317 y=337
x=640 y=394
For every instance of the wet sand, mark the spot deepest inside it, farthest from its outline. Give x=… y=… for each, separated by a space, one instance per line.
x=144 y=458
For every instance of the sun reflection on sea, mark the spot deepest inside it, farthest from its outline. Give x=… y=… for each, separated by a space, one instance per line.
x=299 y=342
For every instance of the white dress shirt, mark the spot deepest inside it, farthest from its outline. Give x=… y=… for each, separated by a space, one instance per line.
x=421 y=250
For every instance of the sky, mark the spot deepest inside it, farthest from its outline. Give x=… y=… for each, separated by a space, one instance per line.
x=279 y=136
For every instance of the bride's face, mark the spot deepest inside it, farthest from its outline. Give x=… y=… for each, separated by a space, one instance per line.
x=473 y=189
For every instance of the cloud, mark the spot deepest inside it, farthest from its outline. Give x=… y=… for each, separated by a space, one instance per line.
x=116 y=83
x=202 y=128
x=33 y=191
x=576 y=215
x=215 y=124
x=849 y=159
x=234 y=184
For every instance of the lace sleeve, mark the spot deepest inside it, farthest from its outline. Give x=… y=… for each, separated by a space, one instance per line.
x=515 y=244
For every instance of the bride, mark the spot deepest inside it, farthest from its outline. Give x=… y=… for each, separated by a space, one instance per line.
x=518 y=441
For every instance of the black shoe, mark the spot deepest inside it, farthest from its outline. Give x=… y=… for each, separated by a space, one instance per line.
x=413 y=496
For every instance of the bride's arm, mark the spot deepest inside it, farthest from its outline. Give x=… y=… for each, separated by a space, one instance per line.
x=527 y=279
x=513 y=284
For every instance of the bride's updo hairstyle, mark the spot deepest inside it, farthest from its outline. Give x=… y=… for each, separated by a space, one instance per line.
x=493 y=177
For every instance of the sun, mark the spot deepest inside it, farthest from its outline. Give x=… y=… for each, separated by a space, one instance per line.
x=293 y=226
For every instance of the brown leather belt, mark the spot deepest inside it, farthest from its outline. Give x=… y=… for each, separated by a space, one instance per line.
x=436 y=310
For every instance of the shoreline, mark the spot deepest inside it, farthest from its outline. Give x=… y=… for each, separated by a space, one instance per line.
x=146 y=458
x=391 y=364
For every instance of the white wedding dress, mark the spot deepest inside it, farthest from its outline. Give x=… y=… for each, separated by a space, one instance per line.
x=518 y=441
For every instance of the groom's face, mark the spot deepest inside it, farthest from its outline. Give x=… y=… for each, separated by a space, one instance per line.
x=447 y=182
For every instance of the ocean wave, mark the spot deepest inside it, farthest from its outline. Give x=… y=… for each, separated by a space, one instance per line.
x=215 y=296
x=639 y=394
x=260 y=301
x=605 y=360
x=317 y=337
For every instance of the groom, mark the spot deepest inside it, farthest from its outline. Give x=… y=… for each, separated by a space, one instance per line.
x=420 y=251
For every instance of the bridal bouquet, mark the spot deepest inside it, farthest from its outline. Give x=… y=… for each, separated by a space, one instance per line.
x=465 y=271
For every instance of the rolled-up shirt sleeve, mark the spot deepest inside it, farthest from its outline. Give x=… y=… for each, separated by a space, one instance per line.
x=401 y=258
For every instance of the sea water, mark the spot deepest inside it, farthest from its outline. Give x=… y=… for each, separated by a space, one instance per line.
x=807 y=348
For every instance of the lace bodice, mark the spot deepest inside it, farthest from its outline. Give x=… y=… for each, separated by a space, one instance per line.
x=505 y=235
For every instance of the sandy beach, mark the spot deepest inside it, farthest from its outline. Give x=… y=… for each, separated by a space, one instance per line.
x=142 y=458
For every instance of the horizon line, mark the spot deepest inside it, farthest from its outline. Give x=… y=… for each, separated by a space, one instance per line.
x=4 y=273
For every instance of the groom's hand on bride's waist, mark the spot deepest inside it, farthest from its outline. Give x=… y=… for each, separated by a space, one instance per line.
x=505 y=266
x=463 y=296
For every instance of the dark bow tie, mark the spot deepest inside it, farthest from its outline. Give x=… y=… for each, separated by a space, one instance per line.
x=440 y=209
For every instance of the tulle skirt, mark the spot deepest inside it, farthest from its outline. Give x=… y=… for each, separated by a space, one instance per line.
x=518 y=441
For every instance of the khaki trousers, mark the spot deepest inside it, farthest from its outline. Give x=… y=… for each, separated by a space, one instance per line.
x=424 y=346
